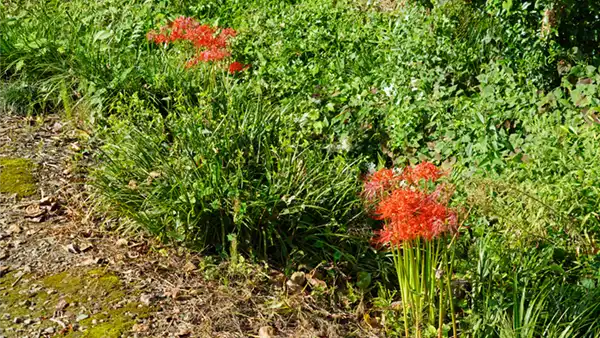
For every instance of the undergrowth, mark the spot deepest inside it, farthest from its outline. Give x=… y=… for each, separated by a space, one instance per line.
x=497 y=93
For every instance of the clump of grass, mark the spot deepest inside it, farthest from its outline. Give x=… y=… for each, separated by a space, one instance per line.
x=215 y=171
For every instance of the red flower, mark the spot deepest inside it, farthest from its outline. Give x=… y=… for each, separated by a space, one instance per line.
x=157 y=38
x=378 y=183
x=210 y=47
x=423 y=171
x=412 y=214
x=213 y=54
x=221 y=40
x=408 y=211
x=235 y=67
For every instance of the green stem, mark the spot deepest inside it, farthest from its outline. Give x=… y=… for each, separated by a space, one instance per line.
x=441 y=308
x=417 y=292
x=448 y=281
x=398 y=262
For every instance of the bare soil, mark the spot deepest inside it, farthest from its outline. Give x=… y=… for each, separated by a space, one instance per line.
x=65 y=272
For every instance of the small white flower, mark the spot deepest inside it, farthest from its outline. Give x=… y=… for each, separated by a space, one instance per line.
x=371 y=167
x=345 y=144
x=389 y=90
x=414 y=83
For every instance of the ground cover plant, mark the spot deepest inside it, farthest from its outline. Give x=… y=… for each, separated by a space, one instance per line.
x=291 y=128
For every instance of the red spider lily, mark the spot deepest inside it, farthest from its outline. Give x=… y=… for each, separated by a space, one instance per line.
x=213 y=54
x=222 y=38
x=408 y=211
x=380 y=182
x=236 y=67
x=423 y=171
x=210 y=45
x=411 y=214
x=157 y=38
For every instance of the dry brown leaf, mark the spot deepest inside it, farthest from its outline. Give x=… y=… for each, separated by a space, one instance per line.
x=14 y=229
x=266 y=332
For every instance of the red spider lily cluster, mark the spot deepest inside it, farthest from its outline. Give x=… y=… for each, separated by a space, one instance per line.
x=211 y=43
x=409 y=209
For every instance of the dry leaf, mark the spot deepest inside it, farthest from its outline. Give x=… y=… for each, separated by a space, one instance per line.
x=72 y=248
x=34 y=210
x=121 y=242
x=266 y=332
x=299 y=278
x=140 y=328
x=189 y=267
x=14 y=229
x=61 y=305
x=132 y=185
x=85 y=247
x=173 y=293
x=146 y=299
x=184 y=332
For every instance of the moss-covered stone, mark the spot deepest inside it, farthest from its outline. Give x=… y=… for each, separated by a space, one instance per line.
x=16 y=176
x=82 y=289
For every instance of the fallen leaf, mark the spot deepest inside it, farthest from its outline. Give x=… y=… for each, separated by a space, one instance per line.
x=146 y=299
x=140 y=328
x=34 y=210
x=132 y=185
x=184 y=332
x=152 y=176
x=57 y=127
x=189 y=267
x=90 y=261
x=86 y=246
x=121 y=242
x=81 y=317
x=61 y=305
x=266 y=332
x=299 y=278
x=47 y=200
x=37 y=219
x=14 y=229
x=317 y=283
x=173 y=293
x=72 y=248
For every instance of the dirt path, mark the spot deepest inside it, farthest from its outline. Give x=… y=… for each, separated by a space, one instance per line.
x=62 y=273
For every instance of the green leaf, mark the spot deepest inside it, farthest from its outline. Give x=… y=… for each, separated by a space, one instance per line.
x=102 y=35
x=363 y=280
x=19 y=65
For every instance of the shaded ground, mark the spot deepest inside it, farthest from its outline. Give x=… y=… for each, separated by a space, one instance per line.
x=62 y=273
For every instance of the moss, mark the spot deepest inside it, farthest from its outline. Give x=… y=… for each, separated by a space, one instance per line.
x=116 y=321
x=16 y=176
x=82 y=289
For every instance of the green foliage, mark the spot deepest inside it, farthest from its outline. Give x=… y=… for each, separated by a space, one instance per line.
x=273 y=156
x=204 y=172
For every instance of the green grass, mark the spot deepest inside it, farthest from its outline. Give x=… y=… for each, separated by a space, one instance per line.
x=275 y=154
